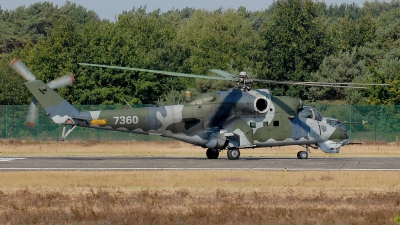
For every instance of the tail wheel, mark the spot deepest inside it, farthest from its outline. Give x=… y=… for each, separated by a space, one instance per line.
x=212 y=153
x=233 y=153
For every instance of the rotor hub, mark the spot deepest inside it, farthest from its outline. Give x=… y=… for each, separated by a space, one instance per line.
x=243 y=74
x=243 y=83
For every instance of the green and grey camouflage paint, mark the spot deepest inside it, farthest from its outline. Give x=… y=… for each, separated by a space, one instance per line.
x=216 y=120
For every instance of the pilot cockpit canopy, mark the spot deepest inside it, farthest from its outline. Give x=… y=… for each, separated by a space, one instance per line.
x=336 y=124
x=311 y=113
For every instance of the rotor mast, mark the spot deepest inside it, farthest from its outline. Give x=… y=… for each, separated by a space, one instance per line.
x=244 y=82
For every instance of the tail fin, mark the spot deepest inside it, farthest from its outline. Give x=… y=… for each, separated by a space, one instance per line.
x=59 y=109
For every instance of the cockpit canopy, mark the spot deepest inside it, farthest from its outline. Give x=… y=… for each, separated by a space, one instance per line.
x=311 y=113
x=336 y=124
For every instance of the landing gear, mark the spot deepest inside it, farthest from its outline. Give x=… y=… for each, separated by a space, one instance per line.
x=304 y=154
x=233 y=153
x=212 y=153
x=64 y=135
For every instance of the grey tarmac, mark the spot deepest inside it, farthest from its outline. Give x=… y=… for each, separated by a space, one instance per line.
x=187 y=163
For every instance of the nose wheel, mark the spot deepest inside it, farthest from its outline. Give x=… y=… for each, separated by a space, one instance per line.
x=233 y=153
x=302 y=155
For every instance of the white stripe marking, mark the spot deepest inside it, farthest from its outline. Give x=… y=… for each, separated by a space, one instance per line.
x=9 y=159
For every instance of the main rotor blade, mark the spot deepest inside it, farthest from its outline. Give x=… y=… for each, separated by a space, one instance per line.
x=230 y=77
x=315 y=84
x=22 y=70
x=157 y=71
x=223 y=73
x=360 y=84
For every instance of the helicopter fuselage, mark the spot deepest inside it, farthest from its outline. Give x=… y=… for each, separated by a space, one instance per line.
x=234 y=119
x=223 y=119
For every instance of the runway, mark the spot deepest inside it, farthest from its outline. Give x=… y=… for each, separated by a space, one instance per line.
x=174 y=163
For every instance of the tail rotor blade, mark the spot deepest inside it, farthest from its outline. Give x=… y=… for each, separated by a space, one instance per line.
x=63 y=81
x=33 y=113
x=21 y=68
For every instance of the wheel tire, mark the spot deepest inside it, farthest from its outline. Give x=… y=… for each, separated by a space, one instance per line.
x=302 y=155
x=233 y=154
x=212 y=153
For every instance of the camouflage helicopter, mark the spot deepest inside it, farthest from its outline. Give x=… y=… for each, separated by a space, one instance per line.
x=230 y=120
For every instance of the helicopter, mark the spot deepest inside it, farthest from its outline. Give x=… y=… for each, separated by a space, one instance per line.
x=232 y=120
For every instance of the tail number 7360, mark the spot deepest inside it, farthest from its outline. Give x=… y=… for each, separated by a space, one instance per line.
x=126 y=119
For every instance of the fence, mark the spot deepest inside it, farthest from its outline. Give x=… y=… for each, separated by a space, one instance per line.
x=364 y=123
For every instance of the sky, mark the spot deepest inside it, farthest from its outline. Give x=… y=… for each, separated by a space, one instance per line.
x=110 y=9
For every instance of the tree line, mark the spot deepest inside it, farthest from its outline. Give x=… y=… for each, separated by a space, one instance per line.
x=297 y=40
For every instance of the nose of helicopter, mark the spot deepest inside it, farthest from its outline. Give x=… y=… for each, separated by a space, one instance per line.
x=340 y=133
x=340 y=136
x=337 y=138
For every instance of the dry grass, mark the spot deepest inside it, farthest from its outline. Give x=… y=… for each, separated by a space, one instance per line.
x=98 y=206
x=232 y=181
x=175 y=149
x=201 y=197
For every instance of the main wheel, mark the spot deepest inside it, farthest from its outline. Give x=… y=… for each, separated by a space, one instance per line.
x=302 y=155
x=233 y=153
x=212 y=153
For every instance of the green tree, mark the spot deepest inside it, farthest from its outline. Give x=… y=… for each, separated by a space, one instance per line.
x=22 y=25
x=342 y=68
x=377 y=8
x=333 y=11
x=295 y=45
x=11 y=91
x=382 y=58
x=383 y=95
x=219 y=40
x=297 y=40
x=349 y=33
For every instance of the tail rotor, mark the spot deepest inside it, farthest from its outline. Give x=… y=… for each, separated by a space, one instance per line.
x=23 y=70
x=32 y=114
x=63 y=81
